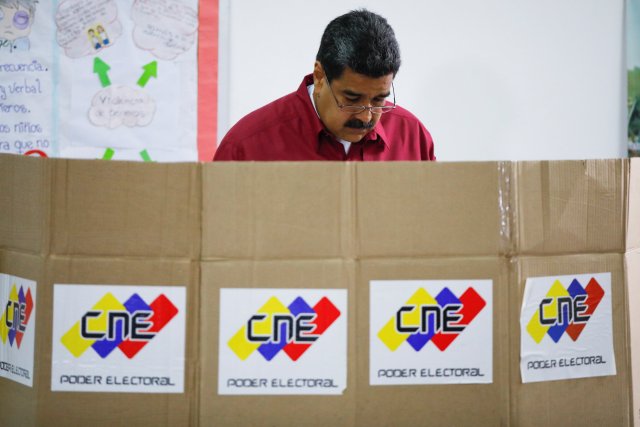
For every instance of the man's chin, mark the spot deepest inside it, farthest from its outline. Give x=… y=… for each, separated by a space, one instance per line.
x=354 y=135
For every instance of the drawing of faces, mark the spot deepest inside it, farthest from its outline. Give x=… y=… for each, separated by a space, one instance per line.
x=98 y=37
x=87 y=26
x=15 y=20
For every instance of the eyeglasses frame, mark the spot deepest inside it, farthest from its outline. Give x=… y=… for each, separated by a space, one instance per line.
x=357 y=109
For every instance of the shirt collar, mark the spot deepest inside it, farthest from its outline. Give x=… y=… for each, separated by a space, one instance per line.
x=377 y=135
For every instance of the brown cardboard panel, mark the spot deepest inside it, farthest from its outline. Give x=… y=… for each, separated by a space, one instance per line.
x=20 y=403
x=24 y=202
x=276 y=210
x=632 y=265
x=571 y=206
x=219 y=410
x=434 y=405
x=125 y=208
x=598 y=401
x=434 y=209
x=633 y=216
x=108 y=409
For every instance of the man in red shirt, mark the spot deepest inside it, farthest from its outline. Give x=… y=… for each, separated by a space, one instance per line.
x=341 y=111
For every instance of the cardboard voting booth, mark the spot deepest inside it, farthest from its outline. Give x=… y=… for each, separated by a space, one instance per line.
x=497 y=293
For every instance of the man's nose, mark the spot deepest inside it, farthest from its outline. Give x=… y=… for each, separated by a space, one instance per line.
x=365 y=115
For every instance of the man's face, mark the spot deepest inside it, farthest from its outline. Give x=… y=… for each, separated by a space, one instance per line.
x=14 y=22
x=350 y=88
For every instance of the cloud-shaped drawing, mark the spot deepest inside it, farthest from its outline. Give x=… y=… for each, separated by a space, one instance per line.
x=87 y=26
x=166 y=28
x=119 y=105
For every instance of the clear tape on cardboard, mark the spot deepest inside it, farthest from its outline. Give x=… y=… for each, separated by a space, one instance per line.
x=505 y=207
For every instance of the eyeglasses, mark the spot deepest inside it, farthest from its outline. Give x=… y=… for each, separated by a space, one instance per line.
x=355 y=109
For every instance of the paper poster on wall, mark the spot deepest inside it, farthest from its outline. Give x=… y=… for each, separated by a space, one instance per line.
x=431 y=332
x=633 y=76
x=566 y=328
x=26 y=78
x=105 y=79
x=109 y=338
x=17 y=328
x=282 y=341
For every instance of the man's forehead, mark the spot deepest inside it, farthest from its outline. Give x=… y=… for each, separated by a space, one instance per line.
x=359 y=83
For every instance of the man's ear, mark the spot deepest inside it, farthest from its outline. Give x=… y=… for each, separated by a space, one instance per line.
x=318 y=75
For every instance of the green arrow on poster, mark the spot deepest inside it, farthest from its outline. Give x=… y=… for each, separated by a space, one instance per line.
x=101 y=68
x=108 y=154
x=145 y=156
x=150 y=70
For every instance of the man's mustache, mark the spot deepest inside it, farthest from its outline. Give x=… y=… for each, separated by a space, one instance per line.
x=359 y=124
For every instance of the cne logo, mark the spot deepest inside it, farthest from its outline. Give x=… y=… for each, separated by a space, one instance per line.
x=16 y=315
x=565 y=310
x=424 y=318
x=276 y=327
x=111 y=324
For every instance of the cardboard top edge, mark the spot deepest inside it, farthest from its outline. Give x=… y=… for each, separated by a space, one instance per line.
x=209 y=164
x=124 y=162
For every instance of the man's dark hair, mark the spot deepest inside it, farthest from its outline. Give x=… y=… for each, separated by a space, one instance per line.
x=362 y=41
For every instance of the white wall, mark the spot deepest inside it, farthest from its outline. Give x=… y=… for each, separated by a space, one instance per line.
x=491 y=79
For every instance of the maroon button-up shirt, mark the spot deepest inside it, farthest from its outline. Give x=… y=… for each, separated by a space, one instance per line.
x=289 y=129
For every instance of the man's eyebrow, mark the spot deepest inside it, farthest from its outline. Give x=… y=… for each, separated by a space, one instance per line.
x=349 y=92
